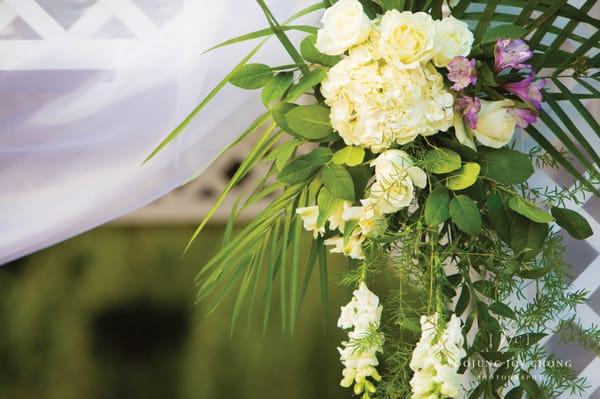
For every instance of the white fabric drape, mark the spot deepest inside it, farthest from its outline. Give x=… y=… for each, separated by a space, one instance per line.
x=78 y=116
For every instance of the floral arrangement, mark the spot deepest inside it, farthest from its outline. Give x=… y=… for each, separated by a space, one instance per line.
x=401 y=121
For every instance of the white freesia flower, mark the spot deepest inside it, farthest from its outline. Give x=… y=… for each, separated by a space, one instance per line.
x=370 y=220
x=396 y=176
x=407 y=39
x=452 y=39
x=352 y=247
x=496 y=124
x=344 y=25
x=436 y=360
x=309 y=216
x=363 y=315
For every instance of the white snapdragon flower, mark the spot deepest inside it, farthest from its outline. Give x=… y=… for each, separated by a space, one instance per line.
x=363 y=315
x=436 y=360
x=310 y=215
x=396 y=176
x=453 y=38
x=407 y=39
x=345 y=25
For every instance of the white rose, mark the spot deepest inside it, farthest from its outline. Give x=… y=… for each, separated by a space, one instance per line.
x=496 y=124
x=393 y=163
x=452 y=39
x=344 y=25
x=407 y=39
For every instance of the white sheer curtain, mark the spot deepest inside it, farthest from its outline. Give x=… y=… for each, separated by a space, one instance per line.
x=79 y=110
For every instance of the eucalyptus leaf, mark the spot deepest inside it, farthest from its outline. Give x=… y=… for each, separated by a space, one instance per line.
x=499 y=216
x=529 y=210
x=252 y=76
x=527 y=237
x=351 y=156
x=276 y=87
x=505 y=166
x=297 y=171
x=310 y=121
x=278 y=112
x=573 y=223
x=442 y=160
x=338 y=181
x=465 y=214
x=465 y=177
x=502 y=310
x=437 y=207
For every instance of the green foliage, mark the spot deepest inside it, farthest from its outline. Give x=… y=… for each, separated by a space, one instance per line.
x=437 y=207
x=574 y=223
x=465 y=177
x=465 y=213
x=310 y=121
x=252 y=76
x=276 y=87
x=351 y=156
x=529 y=210
x=311 y=54
x=507 y=31
x=442 y=160
x=505 y=166
x=338 y=181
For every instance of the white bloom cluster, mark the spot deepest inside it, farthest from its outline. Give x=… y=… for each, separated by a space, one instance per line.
x=363 y=315
x=386 y=91
x=436 y=359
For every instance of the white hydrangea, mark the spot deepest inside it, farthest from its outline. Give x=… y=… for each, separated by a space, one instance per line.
x=363 y=315
x=374 y=104
x=436 y=359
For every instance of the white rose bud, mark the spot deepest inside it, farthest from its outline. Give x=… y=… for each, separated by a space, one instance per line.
x=496 y=124
x=344 y=25
x=452 y=39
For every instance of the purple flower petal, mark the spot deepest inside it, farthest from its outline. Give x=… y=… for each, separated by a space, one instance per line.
x=528 y=90
x=524 y=116
x=511 y=53
x=469 y=107
x=462 y=72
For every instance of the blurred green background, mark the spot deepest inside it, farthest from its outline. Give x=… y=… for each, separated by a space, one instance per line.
x=110 y=314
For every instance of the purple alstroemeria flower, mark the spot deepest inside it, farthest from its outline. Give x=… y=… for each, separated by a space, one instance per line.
x=469 y=107
x=462 y=72
x=528 y=90
x=524 y=116
x=511 y=53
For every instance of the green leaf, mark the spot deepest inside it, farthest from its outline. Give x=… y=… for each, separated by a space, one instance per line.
x=276 y=88
x=485 y=287
x=507 y=31
x=311 y=54
x=252 y=76
x=527 y=237
x=351 y=156
x=437 y=207
x=327 y=204
x=319 y=156
x=529 y=210
x=282 y=154
x=307 y=82
x=531 y=387
x=310 y=121
x=499 y=216
x=261 y=33
x=515 y=393
x=338 y=181
x=393 y=4
x=278 y=113
x=465 y=177
x=503 y=310
x=442 y=160
x=573 y=222
x=463 y=301
x=505 y=166
x=466 y=153
x=465 y=214
x=297 y=171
